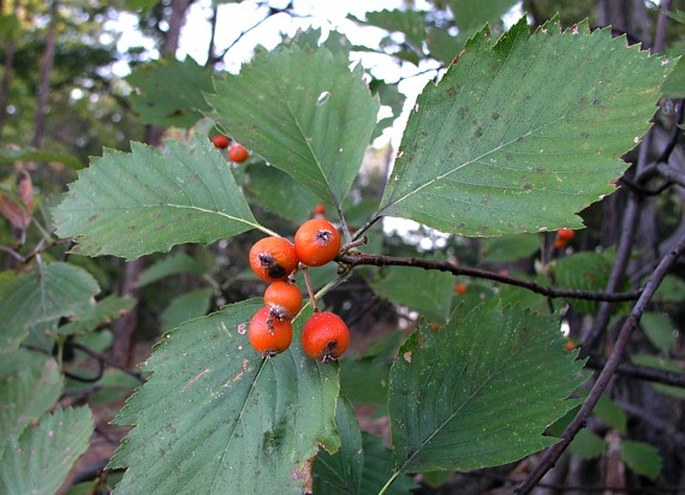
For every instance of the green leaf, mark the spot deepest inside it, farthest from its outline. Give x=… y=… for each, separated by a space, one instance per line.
x=43 y=456
x=94 y=315
x=185 y=307
x=33 y=302
x=587 y=445
x=170 y=105
x=279 y=193
x=427 y=291
x=659 y=330
x=26 y=395
x=132 y=204
x=411 y=23
x=175 y=264
x=642 y=458
x=365 y=381
x=444 y=46
x=509 y=248
x=674 y=86
x=341 y=473
x=662 y=364
x=671 y=289
x=481 y=391
x=12 y=155
x=517 y=138
x=584 y=271
x=304 y=112
x=378 y=465
x=610 y=414
x=216 y=411
x=469 y=14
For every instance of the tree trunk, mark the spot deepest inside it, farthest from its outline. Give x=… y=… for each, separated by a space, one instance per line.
x=45 y=72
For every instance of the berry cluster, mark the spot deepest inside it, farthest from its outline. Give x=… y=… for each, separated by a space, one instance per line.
x=275 y=259
x=236 y=153
x=564 y=236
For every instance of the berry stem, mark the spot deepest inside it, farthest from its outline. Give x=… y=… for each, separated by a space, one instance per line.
x=310 y=290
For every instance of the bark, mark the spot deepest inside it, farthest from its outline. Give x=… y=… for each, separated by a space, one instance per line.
x=8 y=65
x=45 y=73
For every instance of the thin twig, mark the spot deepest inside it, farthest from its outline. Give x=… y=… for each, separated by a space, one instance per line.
x=553 y=453
x=110 y=362
x=641 y=372
x=356 y=259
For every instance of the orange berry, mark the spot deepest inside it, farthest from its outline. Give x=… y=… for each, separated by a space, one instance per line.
x=325 y=336
x=268 y=335
x=566 y=234
x=238 y=153
x=283 y=299
x=319 y=209
x=273 y=258
x=220 y=141
x=570 y=345
x=560 y=243
x=460 y=288
x=317 y=242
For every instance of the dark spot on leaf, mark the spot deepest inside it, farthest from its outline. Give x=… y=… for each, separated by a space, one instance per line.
x=582 y=101
x=540 y=170
x=160 y=227
x=462 y=112
x=495 y=116
x=451 y=91
x=527 y=187
x=132 y=227
x=508 y=157
x=93 y=218
x=584 y=135
x=478 y=133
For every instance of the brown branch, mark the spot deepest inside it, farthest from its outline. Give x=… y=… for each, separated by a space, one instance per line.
x=553 y=453
x=45 y=73
x=641 y=372
x=104 y=359
x=356 y=259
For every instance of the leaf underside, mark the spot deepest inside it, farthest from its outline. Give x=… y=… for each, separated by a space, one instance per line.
x=522 y=133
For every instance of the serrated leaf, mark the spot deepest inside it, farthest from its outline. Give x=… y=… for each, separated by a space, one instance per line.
x=43 y=456
x=174 y=264
x=642 y=458
x=521 y=134
x=587 y=445
x=444 y=46
x=659 y=330
x=185 y=307
x=90 y=317
x=674 y=86
x=365 y=381
x=33 y=302
x=304 y=112
x=26 y=395
x=427 y=291
x=179 y=104
x=481 y=391
x=145 y=201
x=215 y=410
x=341 y=473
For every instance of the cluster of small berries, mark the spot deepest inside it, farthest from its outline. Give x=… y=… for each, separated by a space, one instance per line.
x=236 y=153
x=564 y=236
x=275 y=259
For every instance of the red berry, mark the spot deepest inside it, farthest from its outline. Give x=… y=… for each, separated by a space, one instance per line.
x=317 y=242
x=283 y=299
x=273 y=258
x=238 y=153
x=268 y=335
x=566 y=234
x=220 y=141
x=325 y=336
